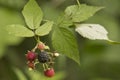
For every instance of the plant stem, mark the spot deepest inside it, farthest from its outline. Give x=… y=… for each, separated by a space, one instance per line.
x=44 y=67
x=78 y=2
x=34 y=48
x=37 y=38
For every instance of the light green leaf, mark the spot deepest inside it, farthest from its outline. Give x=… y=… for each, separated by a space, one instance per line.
x=44 y=29
x=82 y=12
x=113 y=42
x=64 y=42
x=32 y=14
x=93 y=32
x=19 y=30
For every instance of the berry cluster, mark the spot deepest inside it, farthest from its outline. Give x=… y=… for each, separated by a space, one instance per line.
x=45 y=57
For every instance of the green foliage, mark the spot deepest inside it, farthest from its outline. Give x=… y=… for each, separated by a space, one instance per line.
x=19 y=30
x=32 y=14
x=64 y=42
x=99 y=61
x=63 y=39
x=64 y=21
x=44 y=29
x=79 y=13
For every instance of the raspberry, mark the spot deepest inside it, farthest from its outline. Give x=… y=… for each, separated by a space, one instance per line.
x=41 y=46
x=49 y=72
x=31 y=65
x=31 y=56
x=43 y=57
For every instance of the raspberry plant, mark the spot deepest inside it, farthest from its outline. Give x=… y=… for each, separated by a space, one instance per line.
x=63 y=39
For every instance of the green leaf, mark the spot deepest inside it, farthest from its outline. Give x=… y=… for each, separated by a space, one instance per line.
x=44 y=29
x=19 y=30
x=94 y=32
x=64 y=21
x=82 y=12
x=113 y=42
x=64 y=42
x=32 y=14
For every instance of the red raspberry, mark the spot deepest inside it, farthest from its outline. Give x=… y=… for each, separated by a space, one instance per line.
x=49 y=72
x=41 y=46
x=31 y=65
x=31 y=56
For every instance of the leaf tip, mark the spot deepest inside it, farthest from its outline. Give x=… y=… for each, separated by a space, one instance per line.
x=113 y=42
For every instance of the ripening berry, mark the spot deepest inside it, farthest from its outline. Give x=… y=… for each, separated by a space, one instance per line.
x=31 y=65
x=49 y=72
x=31 y=56
x=41 y=46
x=43 y=57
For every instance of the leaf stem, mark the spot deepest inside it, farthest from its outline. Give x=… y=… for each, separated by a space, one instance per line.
x=37 y=38
x=78 y=2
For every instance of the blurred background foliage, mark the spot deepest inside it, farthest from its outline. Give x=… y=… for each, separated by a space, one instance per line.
x=99 y=60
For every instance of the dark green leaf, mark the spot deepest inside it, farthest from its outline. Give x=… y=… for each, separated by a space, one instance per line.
x=64 y=42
